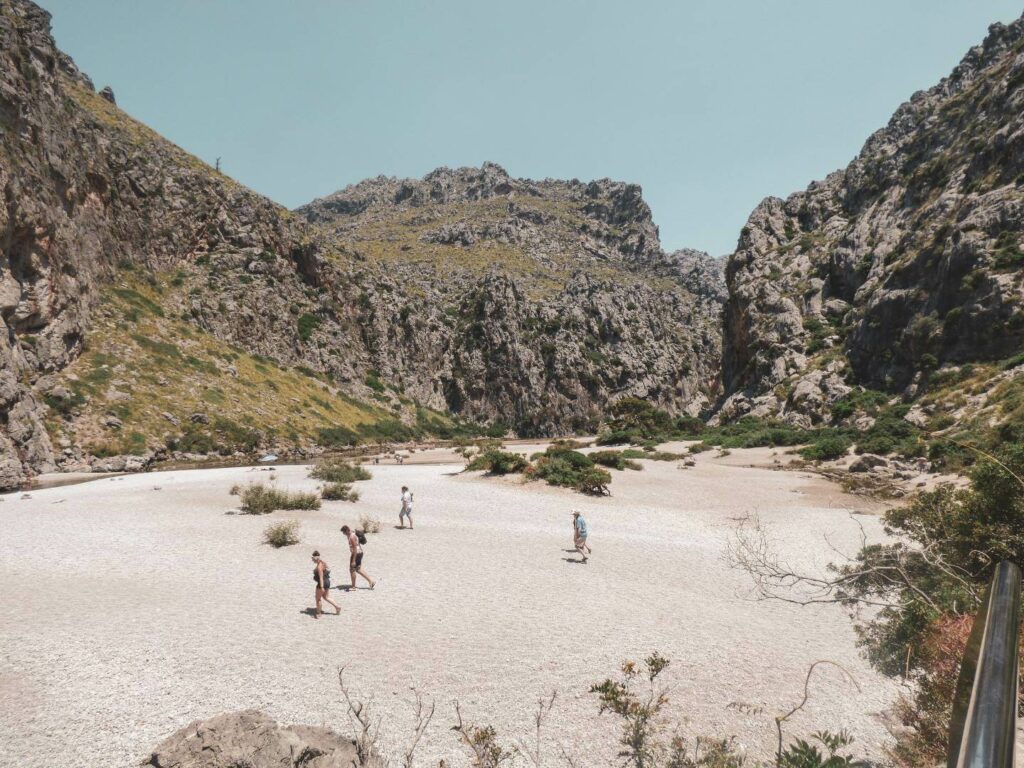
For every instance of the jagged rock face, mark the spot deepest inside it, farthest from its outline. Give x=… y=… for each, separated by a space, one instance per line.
x=86 y=189
x=909 y=259
x=253 y=739
x=531 y=304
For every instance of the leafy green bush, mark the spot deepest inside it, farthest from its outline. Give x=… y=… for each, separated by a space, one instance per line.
x=827 y=448
x=891 y=433
x=282 y=534
x=949 y=542
x=570 y=469
x=614 y=459
x=337 y=471
x=337 y=437
x=498 y=462
x=389 y=430
x=339 y=492
x=307 y=324
x=260 y=500
x=594 y=481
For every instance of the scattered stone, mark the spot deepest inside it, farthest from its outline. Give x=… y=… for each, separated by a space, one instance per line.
x=108 y=94
x=199 y=418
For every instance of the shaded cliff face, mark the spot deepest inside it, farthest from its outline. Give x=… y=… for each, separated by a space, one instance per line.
x=908 y=260
x=87 y=190
x=153 y=304
x=532 y=303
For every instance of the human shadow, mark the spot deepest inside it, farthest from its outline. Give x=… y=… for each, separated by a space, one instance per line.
x=311 y=612
x=574 y=561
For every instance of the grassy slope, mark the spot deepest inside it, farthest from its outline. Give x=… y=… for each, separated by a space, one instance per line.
x=396 y=240
x=141 y=363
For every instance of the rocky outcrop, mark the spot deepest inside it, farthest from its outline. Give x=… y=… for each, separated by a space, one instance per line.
x=908 y=260
x=252 y=739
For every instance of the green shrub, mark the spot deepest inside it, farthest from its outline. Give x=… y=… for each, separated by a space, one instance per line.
x=891 y=433
x=307 y=324
x=337 y=437
x=617 y=437
x=614 y=459
x=594 y=481
x=282 y=534
x=337 y=471
x=498 y=462
x=387 y=430
x=260 y=500
x=827 y=448
x=339 y=492
x=948 y=542
x=570 y=469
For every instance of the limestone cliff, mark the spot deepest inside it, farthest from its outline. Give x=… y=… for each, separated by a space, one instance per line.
x=898 y=271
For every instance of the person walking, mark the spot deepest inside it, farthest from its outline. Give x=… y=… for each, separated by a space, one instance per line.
x=322 y=577
x=406 y=510
x=355 y=560
x=579 y=526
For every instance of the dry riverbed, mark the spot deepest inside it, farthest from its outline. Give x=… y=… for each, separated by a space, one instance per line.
x=135 y=604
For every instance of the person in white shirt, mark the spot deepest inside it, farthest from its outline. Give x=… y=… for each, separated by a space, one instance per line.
x=406 y=510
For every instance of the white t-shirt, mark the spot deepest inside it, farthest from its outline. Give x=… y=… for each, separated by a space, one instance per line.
x=407 y=499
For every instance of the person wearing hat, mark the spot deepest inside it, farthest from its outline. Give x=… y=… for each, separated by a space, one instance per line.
x=579 y=529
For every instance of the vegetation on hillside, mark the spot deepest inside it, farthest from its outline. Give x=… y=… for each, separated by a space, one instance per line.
x=149 y=381
x=922 y=589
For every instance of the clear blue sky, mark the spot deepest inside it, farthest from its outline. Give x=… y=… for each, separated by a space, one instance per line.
x=710 y=105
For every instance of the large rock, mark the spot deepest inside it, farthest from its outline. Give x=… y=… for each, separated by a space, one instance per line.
x=254 y=740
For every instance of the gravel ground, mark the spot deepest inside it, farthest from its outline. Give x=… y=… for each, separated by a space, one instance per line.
x=134 y=605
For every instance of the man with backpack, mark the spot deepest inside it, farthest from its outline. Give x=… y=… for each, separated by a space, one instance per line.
x=356 y=539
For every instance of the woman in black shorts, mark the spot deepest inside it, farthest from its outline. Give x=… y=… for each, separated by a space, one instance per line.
x=322 y=577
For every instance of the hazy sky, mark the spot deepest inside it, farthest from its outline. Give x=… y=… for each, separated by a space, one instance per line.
x=710 y=105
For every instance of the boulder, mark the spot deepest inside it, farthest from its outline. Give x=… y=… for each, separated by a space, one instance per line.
x=867 y=462
x=255 y=740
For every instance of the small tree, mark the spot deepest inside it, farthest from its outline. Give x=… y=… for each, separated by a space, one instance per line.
x=637 y=699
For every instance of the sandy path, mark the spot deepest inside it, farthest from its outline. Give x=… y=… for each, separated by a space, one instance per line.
x=128 y=611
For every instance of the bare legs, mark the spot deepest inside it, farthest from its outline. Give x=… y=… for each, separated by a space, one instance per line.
x=353 y=570
x=582 y=547
x=321 y=594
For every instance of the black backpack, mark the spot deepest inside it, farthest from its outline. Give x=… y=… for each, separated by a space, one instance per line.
x=361 y=537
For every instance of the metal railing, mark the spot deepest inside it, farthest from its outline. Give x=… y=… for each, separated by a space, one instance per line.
x=983 y=729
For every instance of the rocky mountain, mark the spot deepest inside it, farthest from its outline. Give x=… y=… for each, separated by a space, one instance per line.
x=528 y=302
x=900 y=273
x=154 y=307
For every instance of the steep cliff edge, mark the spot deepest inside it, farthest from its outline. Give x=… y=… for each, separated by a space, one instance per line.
x=902 y=272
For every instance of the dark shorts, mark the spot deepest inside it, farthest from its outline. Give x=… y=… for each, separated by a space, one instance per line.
x=359 y=560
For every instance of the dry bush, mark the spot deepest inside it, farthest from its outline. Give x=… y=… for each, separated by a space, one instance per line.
x=236 y=489
x=339 y=492
x=369 y=524
x=260 y=500
x=282 y=534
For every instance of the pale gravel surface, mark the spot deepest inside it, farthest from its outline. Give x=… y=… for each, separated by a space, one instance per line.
x=129 y=611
